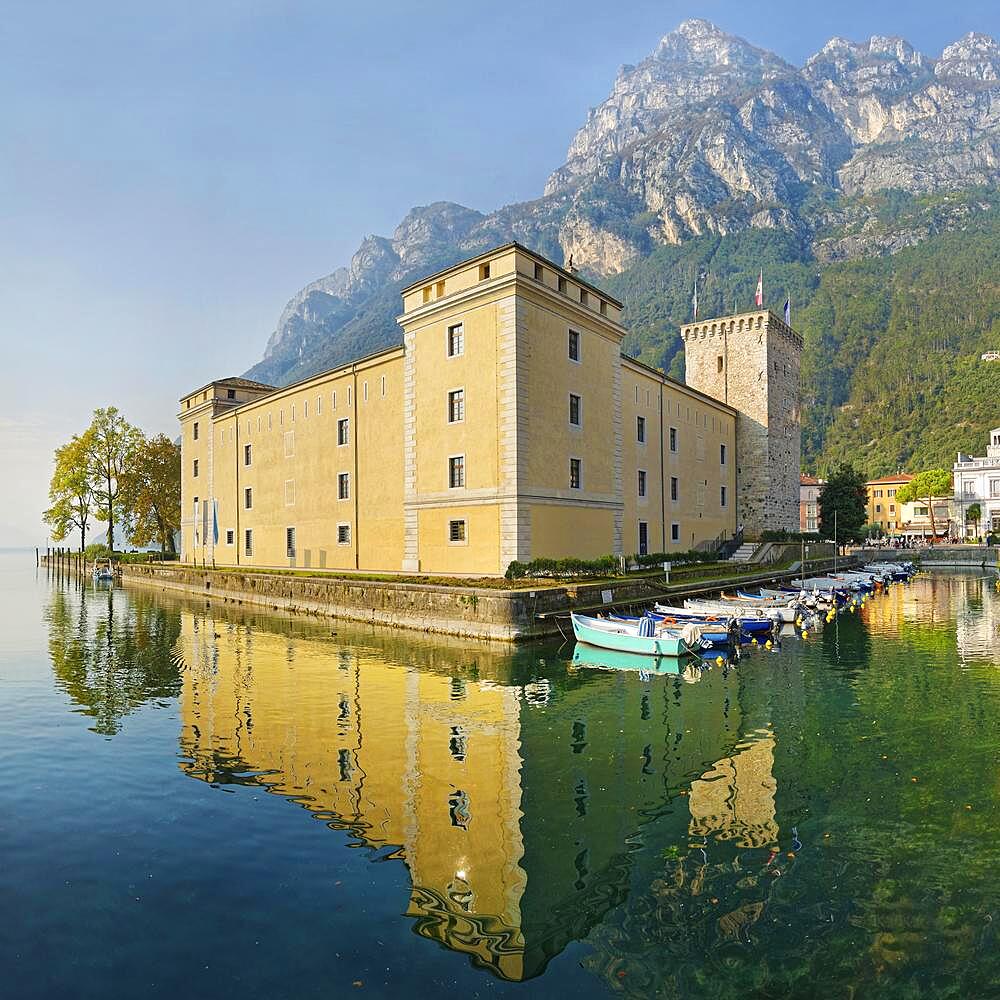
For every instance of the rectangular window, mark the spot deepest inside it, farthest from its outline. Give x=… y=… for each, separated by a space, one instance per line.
x=456 y=532
x=248 y=498
x=484 y=271
x=718 y=364
x=456 y=406
x=248 y=542
x=575 y=474
x=383 y=387
x=642 y=482
x=539 y=273
x=995 y=487
x=439 y=289
x=673 y=439
x=248 y=454
x=343 y=534
x=230 y=536
x=364 y=390
x=426 y=293
x=675 y=532
x=574 y=410
x=289 y=444
x=194 y=431
x=456 y=340
x=290 y=542
x=456 y=471
x=319 y=406
x=722 y=496
x=878 y=508
x=562 y=284
x=584 y=297
x=289 y=492
x=333 y=400
x=194 y=468
x=574 y=345
x=343 y=431
x=344 y=486
x=722 y=454
x=269 y=421
x=604 y=308
x=640 y=429
x=674 y=488
x=892 y=508
x=293 y=413
x=643 y=538
x=305 y=409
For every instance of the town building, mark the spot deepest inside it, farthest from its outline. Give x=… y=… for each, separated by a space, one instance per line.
x=809 y=491
x=507 y=426
x=883 y=510
x=977 y=481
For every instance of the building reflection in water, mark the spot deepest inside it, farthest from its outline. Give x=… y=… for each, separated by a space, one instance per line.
x=515 y=801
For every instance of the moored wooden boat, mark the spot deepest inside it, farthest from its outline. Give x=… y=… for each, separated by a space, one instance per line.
x=626 y=638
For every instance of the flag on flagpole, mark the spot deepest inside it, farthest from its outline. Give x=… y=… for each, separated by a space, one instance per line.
x=694 y=300
x=759 y=297
x=788 y=311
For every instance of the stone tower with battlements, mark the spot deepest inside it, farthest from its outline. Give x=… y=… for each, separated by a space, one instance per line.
x=751 y=362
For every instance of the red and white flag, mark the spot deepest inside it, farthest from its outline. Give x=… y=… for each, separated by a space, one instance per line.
x=759 y=297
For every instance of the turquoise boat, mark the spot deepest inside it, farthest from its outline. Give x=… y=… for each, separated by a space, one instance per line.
x=628 y=638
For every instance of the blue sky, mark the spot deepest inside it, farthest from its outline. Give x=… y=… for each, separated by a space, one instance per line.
x=172 y=173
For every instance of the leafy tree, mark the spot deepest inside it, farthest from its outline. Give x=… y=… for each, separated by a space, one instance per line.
x=927 y=486
x=151 y=491
x=111 y=441
x=843 y=501
x=70 y=491
x=973 y=515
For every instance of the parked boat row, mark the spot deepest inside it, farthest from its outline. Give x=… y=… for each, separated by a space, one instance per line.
x=700 y=625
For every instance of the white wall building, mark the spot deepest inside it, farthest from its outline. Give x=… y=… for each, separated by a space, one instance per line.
x=977 y=480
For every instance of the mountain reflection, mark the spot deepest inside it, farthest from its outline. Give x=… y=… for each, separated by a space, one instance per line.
x=514 y=800
x=112 y=652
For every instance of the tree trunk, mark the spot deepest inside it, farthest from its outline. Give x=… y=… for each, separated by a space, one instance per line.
x=930 y=507
x=111 y=516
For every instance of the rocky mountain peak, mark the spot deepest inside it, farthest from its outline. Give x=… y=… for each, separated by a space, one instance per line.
x=697 y=42
x=976 y=57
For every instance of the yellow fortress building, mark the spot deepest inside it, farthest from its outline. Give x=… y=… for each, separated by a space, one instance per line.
x=507 y=426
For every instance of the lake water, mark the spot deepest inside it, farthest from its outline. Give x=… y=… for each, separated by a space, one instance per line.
x=200 y=801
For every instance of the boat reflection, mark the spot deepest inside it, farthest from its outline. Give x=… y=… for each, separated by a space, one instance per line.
x=513 y=799
x=689 y=668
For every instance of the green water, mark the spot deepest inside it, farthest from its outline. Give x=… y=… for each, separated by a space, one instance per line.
x=199 y=800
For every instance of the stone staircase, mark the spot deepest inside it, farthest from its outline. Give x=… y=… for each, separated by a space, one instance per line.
x=744 y=553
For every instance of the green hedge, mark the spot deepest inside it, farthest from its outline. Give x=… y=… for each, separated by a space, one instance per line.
x=674 y=558
x=560 y=568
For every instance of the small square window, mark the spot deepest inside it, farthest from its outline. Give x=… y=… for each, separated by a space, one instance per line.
x=230 y=394
x=343 y=431
x=343 y=534
x=290 y=542
x=640 y=429
x=248 y=542
x=574 y=345
x=575 y=474
x=456 y=531
x=230 y=536
x=344 y=486
x=642 y=482
x=456 y=471
x=456 y=340
x=456 y=406
x=574 y=409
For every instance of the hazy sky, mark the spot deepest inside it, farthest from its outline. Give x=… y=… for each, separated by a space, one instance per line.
x=171 y=173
